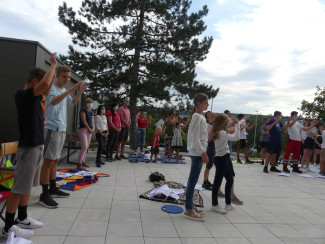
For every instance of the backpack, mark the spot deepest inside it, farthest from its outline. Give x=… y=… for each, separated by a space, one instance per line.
x=156 y=176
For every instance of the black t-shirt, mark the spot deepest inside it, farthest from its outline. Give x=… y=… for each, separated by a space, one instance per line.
x=30 y=118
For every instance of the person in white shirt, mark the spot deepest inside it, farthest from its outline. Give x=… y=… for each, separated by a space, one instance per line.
x=101 y=132
x=197 y=142
x=221 y=160
x=242 y=142
x=294 y=142
x=322 y=155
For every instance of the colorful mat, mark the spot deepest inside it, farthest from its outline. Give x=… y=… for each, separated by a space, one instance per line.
x=145 y=158
x=76 y=179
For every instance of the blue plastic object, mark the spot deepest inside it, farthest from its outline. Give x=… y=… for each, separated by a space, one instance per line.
x=173 y=209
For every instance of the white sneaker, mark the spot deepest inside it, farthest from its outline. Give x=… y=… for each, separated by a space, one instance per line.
x=218 y=209
x=229 y=207
x=303 y=169
x=29 y=223
x=18 y=232
x=308 y=170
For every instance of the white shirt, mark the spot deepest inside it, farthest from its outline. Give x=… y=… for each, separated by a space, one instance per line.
x=197 y=136
x=303 y=134
x=295 y=131
x=243 y=134
x=221 y=144
x=323 y=137
x=100 y=123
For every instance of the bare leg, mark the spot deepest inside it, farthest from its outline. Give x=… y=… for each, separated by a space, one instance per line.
x=170 y=155
x=303 y=158
x=177 y=154
x=316 y=152
x=45 y=171
x=272 y=159
x=245 y=152
x=308 y=156
x=267 y=159
x=262 y=153
x=53 y=170
x=117 y=147
x=238 y=150
x=206 y=174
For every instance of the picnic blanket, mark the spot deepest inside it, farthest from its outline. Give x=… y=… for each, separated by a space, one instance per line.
x=76 y=179
x=145 y=158
x=197 y=199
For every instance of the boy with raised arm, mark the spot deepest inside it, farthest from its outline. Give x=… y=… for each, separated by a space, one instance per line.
x=54 y=133
x=30 y=150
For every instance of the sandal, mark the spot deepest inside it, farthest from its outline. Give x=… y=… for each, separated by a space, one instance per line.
x=85 y=165
x=80 y=166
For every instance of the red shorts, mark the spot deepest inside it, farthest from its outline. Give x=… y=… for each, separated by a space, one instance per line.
x=293 y=147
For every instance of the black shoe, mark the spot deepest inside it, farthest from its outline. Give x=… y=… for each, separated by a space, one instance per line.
x=262 y=163
x=274 y=169
x=210 y=184
x=102 y=163
x=118 y=158
x=248 y=161
x=296 y=170
x=47 y=201
x=122 y=156
x=98 y=165
x=238 y=161
x=285 y=169
x=265 y=169
x=207 y=186
x=58 y=193
x=110 y=160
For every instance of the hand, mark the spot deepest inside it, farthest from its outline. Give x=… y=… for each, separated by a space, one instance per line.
x=255 y=122
x=247 y=124
x=299 y=116
x=118 y=130
x=53 y=59
x=77 y=85
x=276 y=121
x=128 y=125
x=246 y=117
x=212 y=117
x=314 y=122
x=234 y=119
x=205 y=158
x=154 y=146
x=84 y=87
x=90 y=131
x=149 y=116
x=105 y=134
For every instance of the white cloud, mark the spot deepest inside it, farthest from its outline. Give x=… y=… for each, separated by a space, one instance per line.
x=283 y=36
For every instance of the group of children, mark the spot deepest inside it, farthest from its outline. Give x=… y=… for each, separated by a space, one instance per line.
x=40 y=145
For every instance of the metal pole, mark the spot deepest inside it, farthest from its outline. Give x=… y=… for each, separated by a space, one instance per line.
x=255 y=129
x=211 y=104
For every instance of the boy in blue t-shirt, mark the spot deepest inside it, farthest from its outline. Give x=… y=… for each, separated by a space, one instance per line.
x=274 y=127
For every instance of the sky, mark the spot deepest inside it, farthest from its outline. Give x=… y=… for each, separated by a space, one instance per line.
x=266 y=55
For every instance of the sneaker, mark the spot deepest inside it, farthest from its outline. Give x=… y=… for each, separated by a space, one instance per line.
x=194 y=216
x=209 y=183
x=218 y=209
x=220 y=194
x=274 y=169
x=207 y=186
x=98 y=165
x=122 y=156
x=18 y=232
x=262 y=163
x=248 y=161
x=58 y=193
x=285 y=169
x=118 y=158
x=308 y=170
x=199 y=211
x=236 y=201
x=265 y=169
x=110 y=160
x=47 y=201
x=296 y=170
x=239 y=161
x=229 y=207
x=28 y=223
x=102 y=163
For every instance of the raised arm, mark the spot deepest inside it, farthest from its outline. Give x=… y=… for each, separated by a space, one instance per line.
x=81 y=91
x=46 y=83
x=269 y=127
x=56 y=100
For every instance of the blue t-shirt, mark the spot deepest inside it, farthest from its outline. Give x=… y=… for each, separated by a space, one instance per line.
x=264 y=137
x=56 y=116
x=275 y=132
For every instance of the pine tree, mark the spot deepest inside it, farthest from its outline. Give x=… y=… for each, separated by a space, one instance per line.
x=146 y=50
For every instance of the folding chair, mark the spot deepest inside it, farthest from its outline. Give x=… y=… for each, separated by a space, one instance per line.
x=8 y=149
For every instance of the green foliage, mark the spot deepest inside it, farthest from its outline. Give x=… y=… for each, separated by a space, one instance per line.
x=315 y=109
x=146 y=50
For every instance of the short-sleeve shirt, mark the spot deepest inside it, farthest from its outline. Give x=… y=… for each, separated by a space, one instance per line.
x=30 y=118
x=89 y=117
x=275 y=132
x=155 y=135
x=264 y=137
x=142 y=123
x=56 y=115
x=312 y=133
x=126 y=115
x=115 y=119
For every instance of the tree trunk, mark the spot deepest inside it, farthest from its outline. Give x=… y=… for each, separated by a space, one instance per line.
x=135 y=77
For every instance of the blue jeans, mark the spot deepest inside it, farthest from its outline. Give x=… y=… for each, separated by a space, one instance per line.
x=141 y=136
x=101 y=141
x=192 y=180
x=222 y=170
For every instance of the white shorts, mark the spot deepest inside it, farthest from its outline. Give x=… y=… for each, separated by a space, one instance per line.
x=53 y=144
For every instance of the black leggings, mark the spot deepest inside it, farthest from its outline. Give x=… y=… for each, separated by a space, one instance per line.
x=222 y=170
x=111 y=143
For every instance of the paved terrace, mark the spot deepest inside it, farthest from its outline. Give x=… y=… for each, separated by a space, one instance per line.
x=276 y=210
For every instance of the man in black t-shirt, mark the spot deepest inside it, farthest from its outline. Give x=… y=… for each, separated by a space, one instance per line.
x=29 y=154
